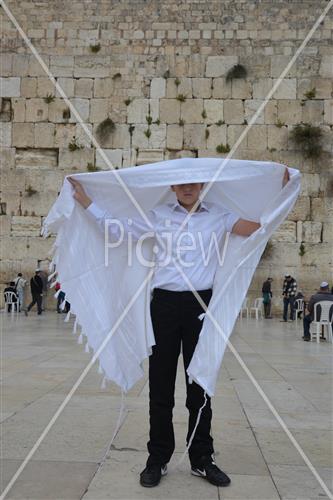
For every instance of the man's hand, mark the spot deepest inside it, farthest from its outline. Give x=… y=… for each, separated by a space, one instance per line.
x=286 y=177
x=79 y=193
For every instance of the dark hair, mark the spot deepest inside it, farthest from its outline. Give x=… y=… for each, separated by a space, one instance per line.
x=19 y=274
x=12 y=283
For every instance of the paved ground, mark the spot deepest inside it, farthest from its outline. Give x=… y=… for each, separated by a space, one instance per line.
x=41 y=361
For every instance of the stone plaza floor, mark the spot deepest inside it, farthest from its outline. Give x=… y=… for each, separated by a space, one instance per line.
x=41 y=361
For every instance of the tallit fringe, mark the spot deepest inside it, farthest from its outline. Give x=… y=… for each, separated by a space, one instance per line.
x=67 y=316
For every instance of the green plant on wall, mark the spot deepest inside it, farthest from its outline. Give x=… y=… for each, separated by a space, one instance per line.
x=127 y=101
x=301 y=249
x=74 y=146
x=237 y=71
x=149 y=119
x=308 y=137
x=177 y=82
x=223 y=148
x=92 y=168
x=105 y=129
x=30 y=190
x=66 y=114
x=95 y=47
x=181 y=97
x=49 y=98
x=147 y=133
x=310 y=94
x=220 y=123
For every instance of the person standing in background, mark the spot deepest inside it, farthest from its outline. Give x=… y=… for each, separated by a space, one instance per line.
x=20 y=283
x=267 y=296
x=289 y=291
x=44 y=277
x=36 y=286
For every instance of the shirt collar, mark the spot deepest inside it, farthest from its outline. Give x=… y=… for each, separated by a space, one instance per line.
x=202 y=207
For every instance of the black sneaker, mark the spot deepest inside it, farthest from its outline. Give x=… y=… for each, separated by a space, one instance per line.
x=212 y=473
x=152 y=474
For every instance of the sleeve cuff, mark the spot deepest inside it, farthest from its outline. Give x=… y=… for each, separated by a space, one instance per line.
x=95 y=211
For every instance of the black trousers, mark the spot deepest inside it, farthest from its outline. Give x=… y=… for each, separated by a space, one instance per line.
x=36 y=297
x=176 y=324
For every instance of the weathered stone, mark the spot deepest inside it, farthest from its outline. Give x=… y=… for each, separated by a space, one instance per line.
x=257 y=137
x=270 y=112
x=103 y=87
x=37 y=110
x=217 y=135
x=184 y=87
x=312 y=232
x=138 y=110
x=233 y=111
x=194 y=136
x=29 y=87
x=18 y=108
x=5 y=135
x=99 y=110
x=82 y=107
x=310 y=184
x=286 y=89
x=44 y=135
x=191 y=110
x=328 y=112
x=241 y=89
x=322 y=209
x=220 y=65
x=23 y=135
x=121 y=137
x=149 y=156
x=91 y=67
x=81 y=135
x=202 y=87
x=56 y=111
x=64 y=134
x=326 y=66
x=286 y=232
x=301 y=210
x=221 y=88
x=327 y=232
x=174 y=137
x=67 y=85
x=279 y=63
x=169 y=110
x=262 y=87
x=139 y=137
x=114 y=156
x=214 y=110
x=25 y=226
x=36 y=159
x=79 y=158
x=84 y=87
x=45 y=87
x=10 y=87
x=62 y=65
x=158 y=88
x=277 y=137
x=157 y=139
x=233 y=134
x=312 y=112
x=289 y=112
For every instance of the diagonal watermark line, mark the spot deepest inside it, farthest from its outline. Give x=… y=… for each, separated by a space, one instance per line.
x=75 y=386
x=95 y=142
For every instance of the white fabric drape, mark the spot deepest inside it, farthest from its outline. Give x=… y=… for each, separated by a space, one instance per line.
x=99 y=294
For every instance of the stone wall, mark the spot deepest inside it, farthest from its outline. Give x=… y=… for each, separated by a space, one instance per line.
x=159 y=71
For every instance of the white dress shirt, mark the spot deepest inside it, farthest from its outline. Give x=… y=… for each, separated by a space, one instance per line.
x=196 y=248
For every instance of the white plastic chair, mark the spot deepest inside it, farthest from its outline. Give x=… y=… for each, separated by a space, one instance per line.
x=322 y=310
x=298 y=307
x=244 y=308
x=9 y=301
x=257 y=308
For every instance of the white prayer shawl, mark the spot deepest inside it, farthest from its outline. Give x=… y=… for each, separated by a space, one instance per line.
x=99 y=293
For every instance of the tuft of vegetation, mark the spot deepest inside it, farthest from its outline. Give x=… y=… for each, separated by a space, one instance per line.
x=181 y=122
x=128 y=101
x=66 y=114
x=149 y=119
x=302 y=250
x=131 y=129
x=94 y=48
x=181 y=97
x=147 y=133
x=177 y=82
x=74 y=145
x=92 y=168
x=157 y=122
x=204 y=114
x=30 y=190
x=219 y=123
x=49 y=98
x=310 y=94
x=105 y=129
x=206 y=133
x=308 y=138
x=237 y=71
x=272 y=150
x=116 y=76
x=166 y=74
x=279 y=124
x=223 y=148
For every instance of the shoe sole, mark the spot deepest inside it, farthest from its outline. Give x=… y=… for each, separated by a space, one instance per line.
x=203 y=476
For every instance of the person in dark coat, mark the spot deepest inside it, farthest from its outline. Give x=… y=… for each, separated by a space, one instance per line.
x=11 y=288
x=289 y=292
x=322 y=294
x=267 y=296
x=36 y=286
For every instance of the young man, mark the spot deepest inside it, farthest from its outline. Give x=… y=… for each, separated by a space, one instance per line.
x=174 y=313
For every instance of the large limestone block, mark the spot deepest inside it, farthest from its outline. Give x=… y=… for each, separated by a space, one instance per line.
x=241 y=89
x=289 y=112
x=257 y=137
x=121 y=137
x=18 y=107
x=36 y=159
x=221 y=88
x=7 y=156
x=311 y=232
x=214 y=110
x=286 y=89
x=301 y=210
x=217 y=135
x=84 y=87
x=169 y=110
x=62 y=65
x=99 y=110
x=64 y=134
x=326 y=66
x=158 y=88
x=184 y=87
x=45 y=87
x=202 y=87
x=139 y=138
x=92 y=66
x=6 y=64
x=191 y=110
x=5 y=134
x=279 y=63
x=154 y=109
x=328 y=232
x=323 y=87
x=82 y=107
x=37 y=110
x=82 y=136
x=25 y=226
x=56 y=110
x=35 y=69
x=233 y=134
x=29 y=87
x=114 y=157
x=271 y=112
x=328 y=111
x=312 y=112
x=149 y=156
x=23 y=135
x=44 y=135
x=103 y=87
x=138 y=110
x=277 y=137
x=250 y=108
x=322 y=209
x=157 y=140
x=194 y=136
x=286 y=232
x=233 y=110
x=78 y=159
x=39 y=204
x=220 y=65
x=174 y=137
x=15 y=247
x=261 y=87
x=310 y=184
x=10 y=87
x=67 y=85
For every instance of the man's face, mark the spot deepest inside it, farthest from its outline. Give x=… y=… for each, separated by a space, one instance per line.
x=187 y=194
